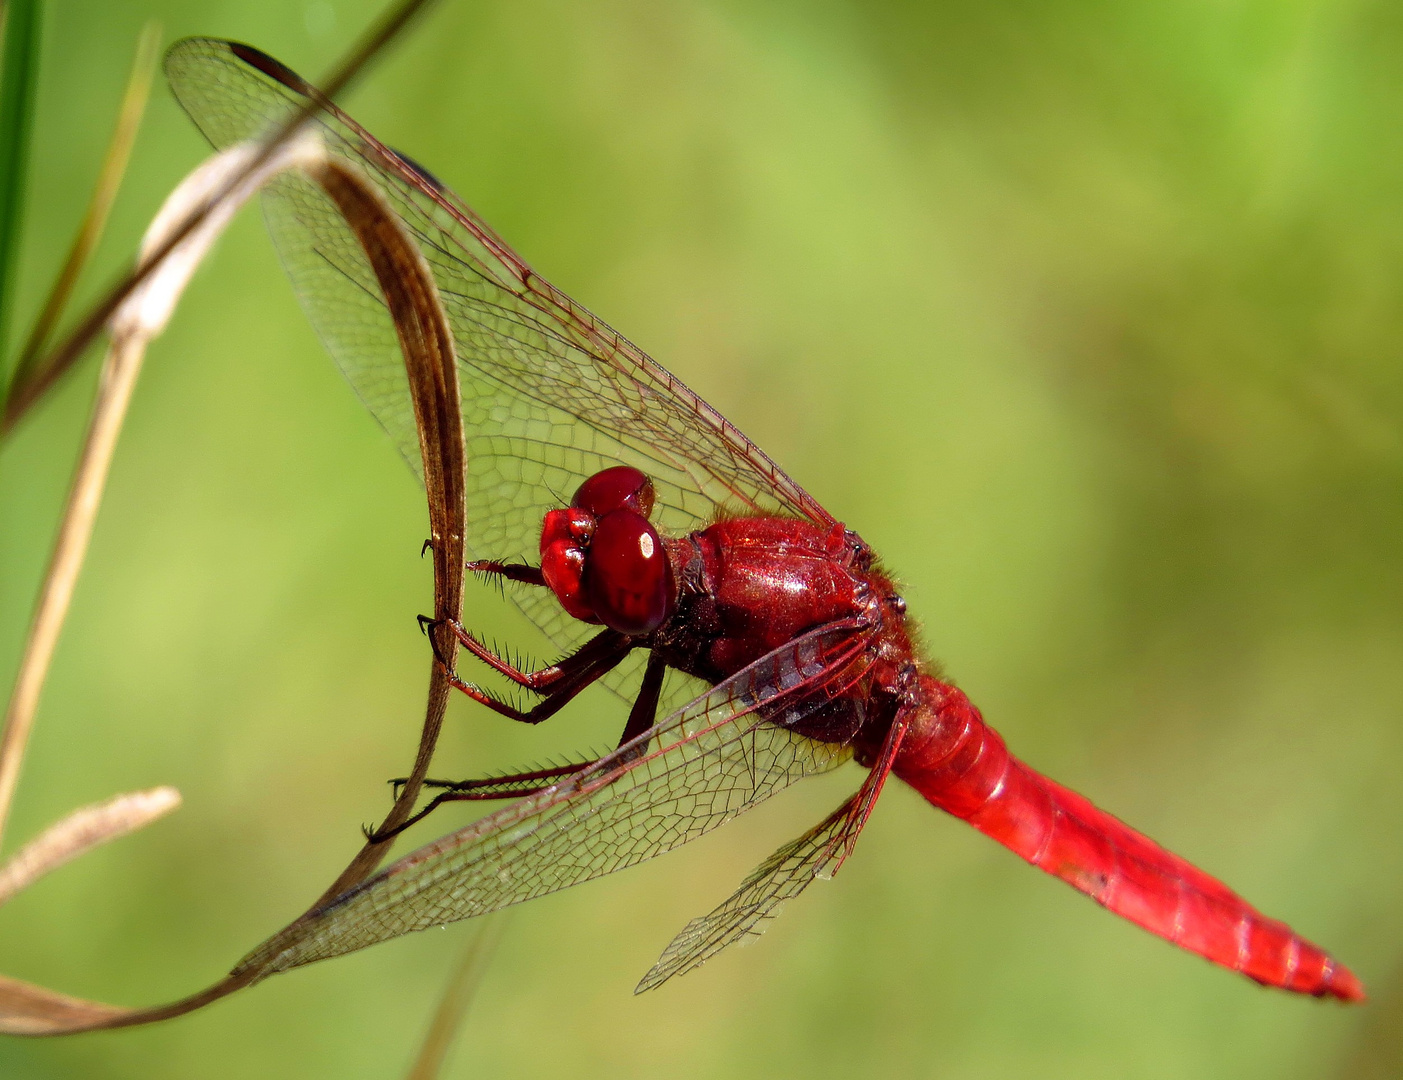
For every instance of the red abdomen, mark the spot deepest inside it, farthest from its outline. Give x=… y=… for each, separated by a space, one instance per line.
x=960 y=764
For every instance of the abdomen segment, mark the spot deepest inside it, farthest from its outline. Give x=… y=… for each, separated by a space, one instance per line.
x=963 y=767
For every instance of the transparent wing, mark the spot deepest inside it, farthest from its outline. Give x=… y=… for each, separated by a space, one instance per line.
x=550 y=393
x=723 y=753
x=784 y=875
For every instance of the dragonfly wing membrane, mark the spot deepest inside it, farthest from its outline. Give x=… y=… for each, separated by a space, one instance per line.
x=781 y=877
x=717 y=757
x=784 y=875
x=550 y=394
x=349 y=314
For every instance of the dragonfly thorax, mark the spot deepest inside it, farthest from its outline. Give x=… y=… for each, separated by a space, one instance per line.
x=604 y=560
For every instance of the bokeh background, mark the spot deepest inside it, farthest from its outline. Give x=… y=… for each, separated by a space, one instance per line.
x=1086 y=315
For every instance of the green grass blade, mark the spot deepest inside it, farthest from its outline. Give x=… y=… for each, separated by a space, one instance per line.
x=18 y=79
x=104 y=194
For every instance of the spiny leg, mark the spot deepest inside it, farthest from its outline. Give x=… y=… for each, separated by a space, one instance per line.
x=641 y=718
x=506 y=786
x=529 y=575
x=544 y=680
x=596 y=658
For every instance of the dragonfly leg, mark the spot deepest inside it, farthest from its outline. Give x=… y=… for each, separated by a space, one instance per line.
x=543 y=680
x=562 y=688
x=506 y=786
x=641 y=718
x=529 y=575
x=644 y=713
x=510 y=785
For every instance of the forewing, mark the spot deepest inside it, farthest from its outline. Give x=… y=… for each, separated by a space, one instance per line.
x=550 y=394
x=720 y=755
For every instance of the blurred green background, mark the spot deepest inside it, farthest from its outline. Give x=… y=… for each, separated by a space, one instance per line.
x=1088 y=316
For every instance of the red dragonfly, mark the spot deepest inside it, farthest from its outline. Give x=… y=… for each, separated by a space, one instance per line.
x=770 y=639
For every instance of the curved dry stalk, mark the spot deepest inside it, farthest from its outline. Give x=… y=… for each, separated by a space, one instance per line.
x=26 y=1009
x=427 y=344
x=414 y=305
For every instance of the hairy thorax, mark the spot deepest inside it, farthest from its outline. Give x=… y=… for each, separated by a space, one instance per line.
x=747 y=586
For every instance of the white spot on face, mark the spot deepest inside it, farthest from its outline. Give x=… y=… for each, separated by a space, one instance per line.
x=645 y=545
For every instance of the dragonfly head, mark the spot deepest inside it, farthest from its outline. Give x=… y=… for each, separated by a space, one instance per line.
x=604 y=560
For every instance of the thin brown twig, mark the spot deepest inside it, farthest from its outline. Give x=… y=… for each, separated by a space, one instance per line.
x=85 y=496
x=114 y=167
x=142 y=317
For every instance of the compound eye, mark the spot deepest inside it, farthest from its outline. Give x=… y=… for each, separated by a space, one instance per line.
x=621 y=488
x=628 y=579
